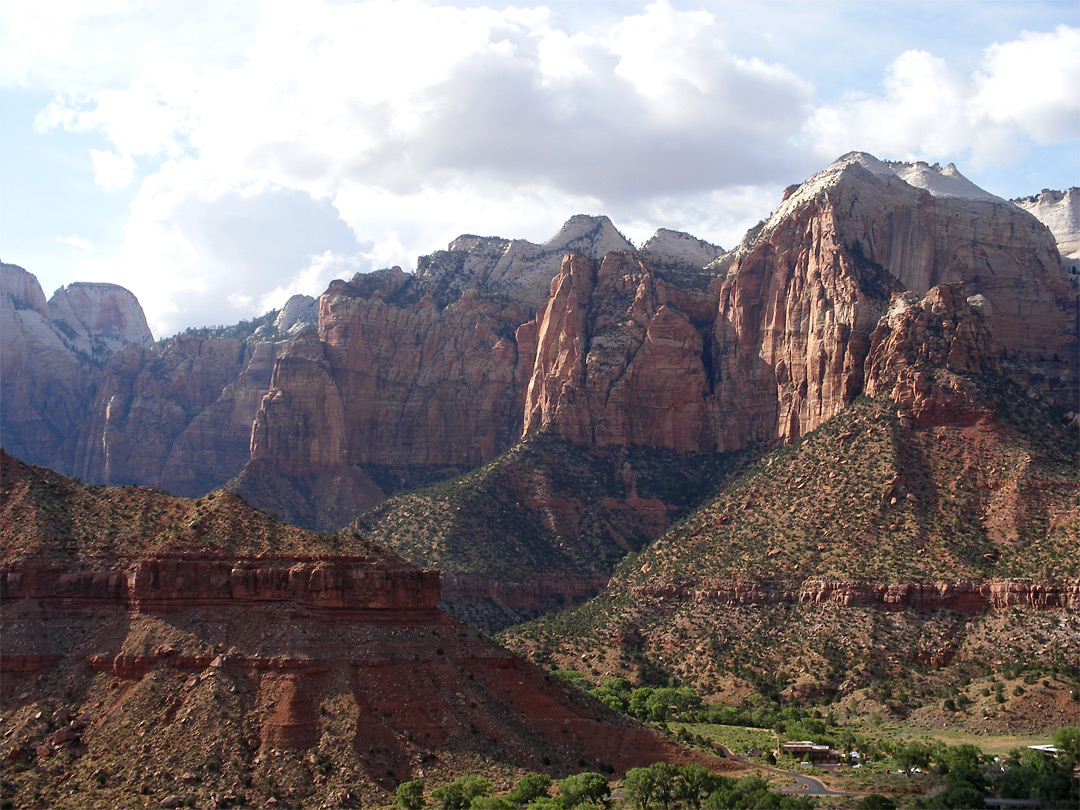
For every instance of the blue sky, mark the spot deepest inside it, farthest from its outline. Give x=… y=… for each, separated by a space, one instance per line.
x=216 y=157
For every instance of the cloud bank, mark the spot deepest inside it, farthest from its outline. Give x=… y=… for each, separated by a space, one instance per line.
x=280 y=145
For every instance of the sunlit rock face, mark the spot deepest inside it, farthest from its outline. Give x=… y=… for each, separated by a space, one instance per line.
x=619 y=357
x=678 y=345
x=807 y=289
x=50 y=354
x=1060 y=212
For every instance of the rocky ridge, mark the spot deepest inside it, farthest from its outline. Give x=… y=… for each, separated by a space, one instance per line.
x=190 y=663
x=406 y=379
x=837 y=566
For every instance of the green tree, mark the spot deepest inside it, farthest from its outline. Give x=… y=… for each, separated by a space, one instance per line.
x=694 y=784
x=638 y=701
x=529 y=788
x=410 y=795
x=450 y=796
x=914 y=754
x=665 y=777
x=460 y=793
x=640 y=786
x=584 y=787
x=572 y=677
x=615 y=693
x=489 y=803
x=1068 y=740
x=959 y=796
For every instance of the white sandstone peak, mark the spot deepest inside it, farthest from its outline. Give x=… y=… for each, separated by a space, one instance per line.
x=680 y=246
x=945 y=182
x=1060 y=212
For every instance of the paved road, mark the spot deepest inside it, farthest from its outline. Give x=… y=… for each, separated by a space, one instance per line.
x=804 y=784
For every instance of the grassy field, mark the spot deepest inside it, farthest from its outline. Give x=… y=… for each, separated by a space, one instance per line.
x=737 y=739
x=993 y=744
x=878 y=777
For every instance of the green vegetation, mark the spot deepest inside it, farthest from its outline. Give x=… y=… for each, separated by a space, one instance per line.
x=410 y=795
x=660 y=786
x=545 y=506
x=238 y=331
x=741 y=593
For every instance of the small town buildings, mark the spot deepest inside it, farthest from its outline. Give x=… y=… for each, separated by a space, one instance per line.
x=808 y=751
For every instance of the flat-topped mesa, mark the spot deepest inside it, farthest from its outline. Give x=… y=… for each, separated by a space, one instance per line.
x=171 y=583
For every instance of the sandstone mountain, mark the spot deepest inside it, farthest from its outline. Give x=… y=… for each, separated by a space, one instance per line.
x=916 y=547
x=158 y=649
x=393 y=380
x=51 y=353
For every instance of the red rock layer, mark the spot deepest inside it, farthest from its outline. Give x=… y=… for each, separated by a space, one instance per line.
x=170 y=661
x=539 y=594
x=943 y=331
x=392 y=383
x=619 y=358
x=177 y=582
x=962 y=597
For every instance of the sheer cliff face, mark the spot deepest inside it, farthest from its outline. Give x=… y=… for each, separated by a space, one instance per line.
x=604 y=346
x=619 y=358
x=793 y=328
x=385 y=383
x=139 y=428
x=628 y=350
x=50 y=355
x=802 y=298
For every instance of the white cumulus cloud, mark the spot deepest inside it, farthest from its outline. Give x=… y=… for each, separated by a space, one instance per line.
x=266 y=145
x=112 y=170
x=1024 y=93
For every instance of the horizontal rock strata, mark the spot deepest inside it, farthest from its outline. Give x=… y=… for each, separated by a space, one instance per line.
x=961 y=597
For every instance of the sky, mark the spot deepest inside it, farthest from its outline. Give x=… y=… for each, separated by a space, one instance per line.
x=217 y=156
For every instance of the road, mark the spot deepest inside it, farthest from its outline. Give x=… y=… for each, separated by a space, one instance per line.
x=804 y=784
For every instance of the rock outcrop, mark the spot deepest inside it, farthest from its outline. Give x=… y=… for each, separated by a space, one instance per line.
x=98 y=320
x=145 y=401
x=392 y=379
x=619 y=358
x=518 y=269
x=807 y=289
x=667 y=245
x=945 y=330
x=392 y=384
x=50 y=356
x=959 y=597
x=1060 y=212
x=284 y=672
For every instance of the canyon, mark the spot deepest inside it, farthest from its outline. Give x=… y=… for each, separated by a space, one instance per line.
x=392 y=381
x=856 y=427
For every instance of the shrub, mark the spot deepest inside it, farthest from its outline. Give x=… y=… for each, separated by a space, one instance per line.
x=530 y=788
x=410 y=795
x=584 y=787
